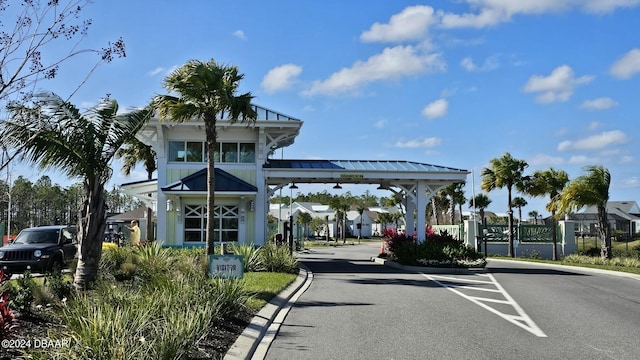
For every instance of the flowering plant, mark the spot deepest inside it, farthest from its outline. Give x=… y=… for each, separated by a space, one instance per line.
x=6 y=315
x=438 y=250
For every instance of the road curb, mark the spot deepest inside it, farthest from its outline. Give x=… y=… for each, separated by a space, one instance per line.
x=426 y=269
x=247 y=343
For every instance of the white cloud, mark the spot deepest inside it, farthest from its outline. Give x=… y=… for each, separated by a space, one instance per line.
x=418 y=143
x=594 y=125
x=631 y=182
x=602 y=103
x=155 y=71
x=280 y=78
x=240 y=35
x=627 y=66
x=486 y=13
x=380 y=124
x=392 y=63
x=558 y=86
x=490 y=63
x=626 y=159
x=595 y=142
x=436 y=109
x=412 y=23
x=545 y=160
x=583 y=160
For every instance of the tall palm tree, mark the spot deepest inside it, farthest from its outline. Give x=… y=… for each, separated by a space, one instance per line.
x=54 y=133
x=455 y=193
x=481 y=202
x=591 y=189
x=305 y=219
x=206 y=90
x=548 y=182
x=361 y=209
x=385 y=219
x=133 y=152
x=533 y=214
x=504 y=171
x=518 y=203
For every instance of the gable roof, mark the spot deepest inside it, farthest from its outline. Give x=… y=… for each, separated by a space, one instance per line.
x=627 y=210
x=197 y=182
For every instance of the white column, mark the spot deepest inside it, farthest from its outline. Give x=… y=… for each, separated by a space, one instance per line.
x=409 y=220
x=421 y=207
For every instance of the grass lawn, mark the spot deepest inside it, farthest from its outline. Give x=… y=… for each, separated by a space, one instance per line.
x=593 y=242
x=264 y=286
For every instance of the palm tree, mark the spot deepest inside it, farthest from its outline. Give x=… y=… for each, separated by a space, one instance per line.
x=438 y=202
x=591 y=189
x=533 y=214
x=455 y=193
x=505 y=171
x=385 y=219
x=460 y=199
x=133 y=152
x=205 y=91
x=361 y=209
x=54 y=133
x=518 y=203
x=305 y=219
x=548 y=182
x=480 y=201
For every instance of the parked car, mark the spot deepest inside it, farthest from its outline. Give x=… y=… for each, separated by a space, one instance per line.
x=40 y=249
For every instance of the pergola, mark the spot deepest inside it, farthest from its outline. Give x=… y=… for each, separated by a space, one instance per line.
x=415 y=182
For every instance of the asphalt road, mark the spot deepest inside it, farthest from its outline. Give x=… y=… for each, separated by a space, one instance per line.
x=357 y=309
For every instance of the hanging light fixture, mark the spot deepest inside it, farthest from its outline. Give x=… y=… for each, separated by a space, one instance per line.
x=293 y=186
x=337 y=186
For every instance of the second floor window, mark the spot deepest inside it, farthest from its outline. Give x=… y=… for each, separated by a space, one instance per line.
x=227 y=152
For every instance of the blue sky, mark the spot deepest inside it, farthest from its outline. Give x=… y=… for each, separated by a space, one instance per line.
x=453 y=83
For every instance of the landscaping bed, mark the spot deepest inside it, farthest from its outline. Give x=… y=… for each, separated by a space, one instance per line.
x=150 y=302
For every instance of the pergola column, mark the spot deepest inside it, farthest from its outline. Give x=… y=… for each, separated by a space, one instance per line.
x=421 y=206
x=409 y=220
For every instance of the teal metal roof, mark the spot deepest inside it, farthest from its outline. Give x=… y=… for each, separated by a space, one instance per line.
x=358 y=165
x=197 y=181
x=262 y=113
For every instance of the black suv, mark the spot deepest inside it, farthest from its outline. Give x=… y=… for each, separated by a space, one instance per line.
x=39 y=249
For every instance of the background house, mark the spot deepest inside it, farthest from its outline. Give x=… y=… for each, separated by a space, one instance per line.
x=621 y=215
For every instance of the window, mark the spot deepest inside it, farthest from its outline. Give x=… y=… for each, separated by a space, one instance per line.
x=195 y=152
x=247 y=152
x=227 y=152
x=226 y=223
x=176 y=150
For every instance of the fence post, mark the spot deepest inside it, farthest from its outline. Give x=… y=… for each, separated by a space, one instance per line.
x=567 y=229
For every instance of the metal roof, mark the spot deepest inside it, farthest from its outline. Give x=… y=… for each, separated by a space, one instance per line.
x=224 y=182
x=359 y=165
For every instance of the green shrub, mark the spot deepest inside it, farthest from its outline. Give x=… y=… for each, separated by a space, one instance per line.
x=56 y=285
x=278 y=259
x=438 y=249
x=251 y=258
x=22 y=294
x=153 y=259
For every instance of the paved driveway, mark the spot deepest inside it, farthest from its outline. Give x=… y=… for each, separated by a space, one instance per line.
x=357 y=309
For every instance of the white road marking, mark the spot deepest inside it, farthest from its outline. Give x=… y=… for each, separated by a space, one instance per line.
x=521 y=320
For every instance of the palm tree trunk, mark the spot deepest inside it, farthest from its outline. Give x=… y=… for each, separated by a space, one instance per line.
x=435 y=211
x=603 y=234
x=93 y=222
x=554 y=235
x=210 y=129
x=510 y=251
